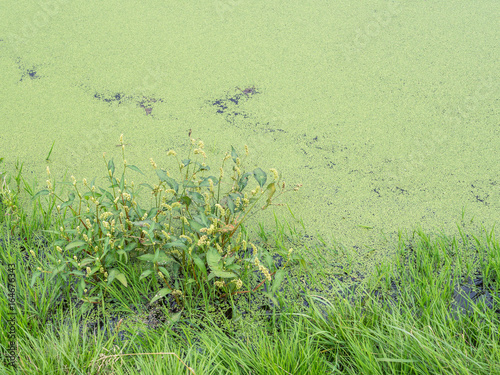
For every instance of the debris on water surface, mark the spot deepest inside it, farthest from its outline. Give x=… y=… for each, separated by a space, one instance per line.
x=249 y=90
x=230 y=105
x=27 y=72
x=146 y=103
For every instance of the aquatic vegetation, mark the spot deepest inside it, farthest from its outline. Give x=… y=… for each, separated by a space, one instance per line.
x=191 y=239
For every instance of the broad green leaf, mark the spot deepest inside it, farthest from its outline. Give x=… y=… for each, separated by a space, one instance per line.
x=114 y=182
x=162 y=175
x=197 y=197
x=206 y=183
x=177 y=243
x=224 y=274
x=107 y=194
x=40 y=193
x=145 y=274
x=86 y=261
x=121 y=278
x=186 y=162
x=234 y=155
x=234 y=197
x=162 y=293
x=189 y=184
x=152 y=212
x=202 y=167
x=140 y=211
x=74 y=244
x=233 y=267
x=231 y=204
x=269 y=260
x=242 y=183
x=134 y=168
x=195 y=225
x=108 y=205
x=130 y=246
x=57 y=270
x=70 y=200
x=202 y=219
x=82 y=285
x=186 y=200
x=213 y=258
x=164 y=272
x=157 y=255
x=278 y=279
x=111 y=276
x=173 y=184
x=162 y=258
x=260 y=176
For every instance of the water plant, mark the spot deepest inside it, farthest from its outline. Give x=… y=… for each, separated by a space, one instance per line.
x=192 y=239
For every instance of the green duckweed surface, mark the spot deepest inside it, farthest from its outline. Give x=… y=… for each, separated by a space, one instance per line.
x=386 y=112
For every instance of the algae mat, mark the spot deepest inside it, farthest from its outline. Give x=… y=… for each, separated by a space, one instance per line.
x=386 y=112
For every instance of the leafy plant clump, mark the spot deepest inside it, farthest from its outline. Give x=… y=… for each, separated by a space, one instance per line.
x=191 y=240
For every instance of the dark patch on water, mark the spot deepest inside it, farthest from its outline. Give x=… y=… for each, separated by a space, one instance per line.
x=229 y=106
x=146 y=103
x=28 y=71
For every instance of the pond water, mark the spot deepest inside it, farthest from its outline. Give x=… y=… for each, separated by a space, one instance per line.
x=386 y=111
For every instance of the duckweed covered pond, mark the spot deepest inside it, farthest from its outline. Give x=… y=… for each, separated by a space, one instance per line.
x=386 y=112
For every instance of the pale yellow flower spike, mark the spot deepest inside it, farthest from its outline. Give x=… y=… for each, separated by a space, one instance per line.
x=153 y=164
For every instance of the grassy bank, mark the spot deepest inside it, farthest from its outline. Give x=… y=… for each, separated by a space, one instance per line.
x=431 y=307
